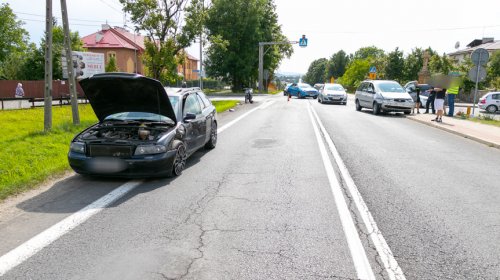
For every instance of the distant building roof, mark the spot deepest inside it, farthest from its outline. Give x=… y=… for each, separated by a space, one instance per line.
x=117 y=37
x=486 y=43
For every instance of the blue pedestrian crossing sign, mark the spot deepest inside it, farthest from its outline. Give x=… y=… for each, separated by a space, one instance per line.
x=373 y=69
x=303 y=41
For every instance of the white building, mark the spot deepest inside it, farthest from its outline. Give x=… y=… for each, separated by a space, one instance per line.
x=486 y=43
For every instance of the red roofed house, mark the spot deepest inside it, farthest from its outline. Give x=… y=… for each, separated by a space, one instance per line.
x=127 y=48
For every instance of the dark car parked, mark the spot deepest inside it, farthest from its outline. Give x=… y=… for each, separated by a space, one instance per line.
x=142 y=131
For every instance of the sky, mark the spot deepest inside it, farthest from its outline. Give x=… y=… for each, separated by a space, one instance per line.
x=329 y=25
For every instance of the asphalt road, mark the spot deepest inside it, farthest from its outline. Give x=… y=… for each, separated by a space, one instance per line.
x=262 y=205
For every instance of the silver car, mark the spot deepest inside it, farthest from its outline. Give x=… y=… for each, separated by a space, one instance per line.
x=490 y=102
x=332 y=93
x=383 y=96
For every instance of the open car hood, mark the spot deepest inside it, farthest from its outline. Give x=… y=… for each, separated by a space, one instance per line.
x=111 y=93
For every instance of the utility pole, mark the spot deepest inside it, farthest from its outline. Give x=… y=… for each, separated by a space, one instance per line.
x=47 y=119
x=261 y=59
x=69 y=63
x=201 y=47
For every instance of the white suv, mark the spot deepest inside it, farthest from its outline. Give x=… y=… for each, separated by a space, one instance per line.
x=383 y=96
x=490 y=102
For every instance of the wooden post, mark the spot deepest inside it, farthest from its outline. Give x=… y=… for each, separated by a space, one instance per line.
x=47 y=119
x=69 y=63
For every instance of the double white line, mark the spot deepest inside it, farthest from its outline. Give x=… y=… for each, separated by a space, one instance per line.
x=358 y=253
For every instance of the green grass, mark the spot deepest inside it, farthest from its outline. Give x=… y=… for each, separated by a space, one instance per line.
x=275 y=91
x=29 y=156
x=224 y=105
x=486 y=121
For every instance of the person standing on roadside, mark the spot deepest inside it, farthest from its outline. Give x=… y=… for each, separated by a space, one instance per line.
x=439 y=103
x=452 y=92
x=19 y=93
x=417 y=103
x=430 y=101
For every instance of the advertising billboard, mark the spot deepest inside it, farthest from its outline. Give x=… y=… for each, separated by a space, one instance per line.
x=85 y=64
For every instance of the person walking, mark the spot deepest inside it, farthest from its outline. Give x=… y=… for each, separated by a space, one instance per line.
x=439 y=104
x=417 y=103
x=19 y=93
x=452 y=92
x=430 y=101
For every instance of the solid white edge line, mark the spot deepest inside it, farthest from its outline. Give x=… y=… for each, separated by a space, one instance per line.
x=358 y=254
x=229 y=124
x=29 y=248
x=391 y=265
x=267 y=104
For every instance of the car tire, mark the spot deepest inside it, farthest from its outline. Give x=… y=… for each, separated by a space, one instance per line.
x=358 y=107
x=179 y=160
x=213 y=137
x=376 y=108
x=491 y=109
x=407 y=112
x=315 y=97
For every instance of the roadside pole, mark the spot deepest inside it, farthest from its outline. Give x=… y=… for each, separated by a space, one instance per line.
x=69 y=63
x=479 y=58
x=47 y=113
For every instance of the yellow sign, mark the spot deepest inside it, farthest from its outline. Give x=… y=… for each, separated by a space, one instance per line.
x=332 y=80
x=372 y=76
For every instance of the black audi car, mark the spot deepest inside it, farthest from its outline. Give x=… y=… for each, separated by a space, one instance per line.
x=142 y=130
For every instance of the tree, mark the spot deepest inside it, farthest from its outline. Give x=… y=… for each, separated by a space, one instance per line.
x=13 y=42
x=494 y=70
x=316 y=72
x=170 y=27
x=235 y=28
x=33 y=65
x=337 y=65
x=111 y=65
x=366 y=52
x=356 y=72
x=395 y=65
x=413 y=65
x=441 y=64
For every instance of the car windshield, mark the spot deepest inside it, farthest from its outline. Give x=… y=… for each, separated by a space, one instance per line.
x=390 y=87
x=137 y=116
x=335 y=88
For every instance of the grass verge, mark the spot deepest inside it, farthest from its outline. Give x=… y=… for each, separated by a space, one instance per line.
x=224 y=105
x=488 y=121
x=28 y=155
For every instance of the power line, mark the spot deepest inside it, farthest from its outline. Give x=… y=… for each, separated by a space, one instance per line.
x=38 y=20
x=72 y=19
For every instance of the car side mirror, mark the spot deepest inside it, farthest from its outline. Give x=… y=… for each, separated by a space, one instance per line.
x=189 y=117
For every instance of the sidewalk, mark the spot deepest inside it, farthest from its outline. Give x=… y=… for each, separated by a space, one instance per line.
x=486 y=134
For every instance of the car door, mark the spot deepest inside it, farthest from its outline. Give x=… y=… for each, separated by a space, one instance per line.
x=495 y=99
x=293 y=89
x=363 y=99
x=208 y=114
x=370 y=95
x=194 y=127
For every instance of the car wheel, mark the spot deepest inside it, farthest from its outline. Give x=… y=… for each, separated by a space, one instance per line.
x=491 y=109
x=180 y=160
x=358 y=107
x=315 y=97
x=407 y=112
x=376 y=108
x=213 y=137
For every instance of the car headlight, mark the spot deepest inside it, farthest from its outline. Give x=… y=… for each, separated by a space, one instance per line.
x=77 y=147
x=149 y=149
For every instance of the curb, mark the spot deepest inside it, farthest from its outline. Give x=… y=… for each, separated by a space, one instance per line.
x=482 y=141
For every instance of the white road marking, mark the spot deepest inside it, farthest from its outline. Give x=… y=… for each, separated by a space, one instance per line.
x=43 y=239
x=391 y=265
x=231 y=123
x=267 y=104
x=358 y=254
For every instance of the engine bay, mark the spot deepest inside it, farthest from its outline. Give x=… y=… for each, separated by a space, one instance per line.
x=111 y=132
